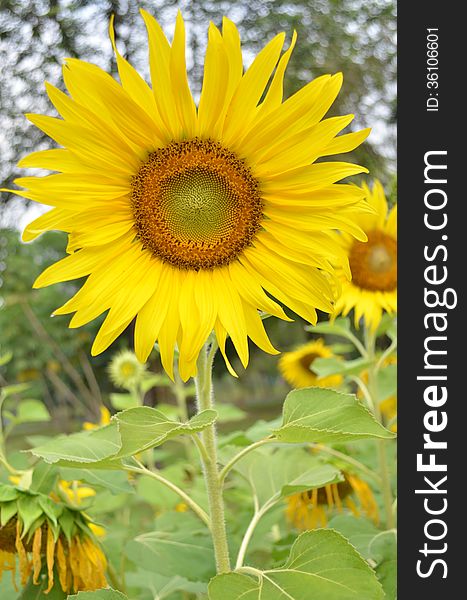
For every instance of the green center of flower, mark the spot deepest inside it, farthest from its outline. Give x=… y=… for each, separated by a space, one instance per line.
x=374 y=263
x=196 y=204
x=127 y=369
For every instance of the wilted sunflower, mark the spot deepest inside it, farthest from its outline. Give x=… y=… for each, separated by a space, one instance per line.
x=48 y=537
x=373 y=288
x=297 y=366
x=188 y=217
x=310 y=509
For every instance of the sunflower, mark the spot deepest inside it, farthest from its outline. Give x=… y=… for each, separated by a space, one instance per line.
x=126 y=370
x=58 y=540
x=195 y=218
x=373 y=288
x=309 y=509
x=388 y=408
x=104 y=420
x=297 y=366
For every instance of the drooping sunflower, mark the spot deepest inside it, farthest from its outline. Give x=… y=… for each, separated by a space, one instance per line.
x=58 y=541
x=373 y=288
x=191 y=218
x=297 y=366
x=310 y=509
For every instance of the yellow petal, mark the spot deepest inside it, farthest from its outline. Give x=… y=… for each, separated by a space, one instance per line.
x=138 y=89
x=274 y=95
x=180 y=89
x=250 y=89
x=159 y=64
x=231 y=313
x=347 y=142
x=99 y=92
x=215 y=84
x=36 y=555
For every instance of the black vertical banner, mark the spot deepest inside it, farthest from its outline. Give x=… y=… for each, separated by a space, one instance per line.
x=432 y=353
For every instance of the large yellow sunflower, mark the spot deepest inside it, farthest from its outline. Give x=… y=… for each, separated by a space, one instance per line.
x=373 y=288
x=191 y=218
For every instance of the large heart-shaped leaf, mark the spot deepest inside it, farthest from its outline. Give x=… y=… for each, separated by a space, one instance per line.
x=322 y=564
x=85 y=447
x=144 y=427
x=280 y=472
x=324 y=415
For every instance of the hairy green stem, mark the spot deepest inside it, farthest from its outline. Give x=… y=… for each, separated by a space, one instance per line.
x=204 y=397
x=370 y=343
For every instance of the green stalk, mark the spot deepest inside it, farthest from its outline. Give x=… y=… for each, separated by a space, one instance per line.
x=370 y=344
x=204 y=397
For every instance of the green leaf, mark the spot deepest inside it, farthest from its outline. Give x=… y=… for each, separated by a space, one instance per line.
x=280 y=472
x=387 y=382
x=339 y=326
x=333 y=366
x=115 y=482
x=107 y=594
x=144 y=427
x=186 y=551
x=67 y=523
x=229 y=412
x=11 y=390
x=387 y=326
x=386 y=572
x=31 y=411
x=323 y=415
x=29 y=510
x=37 y=592
x=8 y=510
x=322 y=564
x=152 y=381
x=372 y=544
x=50 y=508
x=43 y=478
x=93 y=446
x=5 y=358
x=123 y=401
x=163 y=587
x=7 y=493
x=359 y=532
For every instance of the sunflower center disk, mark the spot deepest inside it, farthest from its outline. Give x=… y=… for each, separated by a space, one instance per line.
x=374 y=263
x=196 y=204
x=307 y=360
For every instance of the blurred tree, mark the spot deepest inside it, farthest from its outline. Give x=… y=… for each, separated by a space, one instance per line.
x=46 y=354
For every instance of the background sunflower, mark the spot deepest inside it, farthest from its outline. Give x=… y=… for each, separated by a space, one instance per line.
x=373 y=288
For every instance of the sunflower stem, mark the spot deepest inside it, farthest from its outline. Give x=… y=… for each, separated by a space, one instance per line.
x=233 y=461
x=370 y=344
x=257 y=516
x=204 y=397
x=140 y=468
